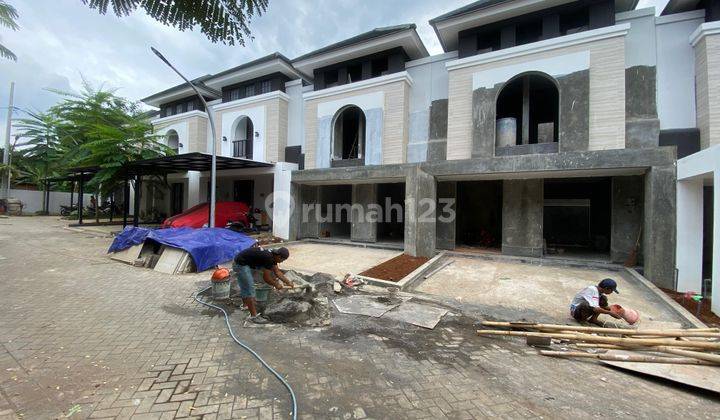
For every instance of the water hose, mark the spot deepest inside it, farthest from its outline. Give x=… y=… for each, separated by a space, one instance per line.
x=250 y=350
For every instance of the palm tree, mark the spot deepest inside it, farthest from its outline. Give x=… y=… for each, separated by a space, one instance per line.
x=223 y=21
x=8 y=14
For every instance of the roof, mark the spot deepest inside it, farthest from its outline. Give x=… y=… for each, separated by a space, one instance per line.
x=680 y=6
x=446 y=27
x=269 y=57
x=472 y=7
x=195 y=161
x=621 y=5
x=198 y=82
x=375 y=33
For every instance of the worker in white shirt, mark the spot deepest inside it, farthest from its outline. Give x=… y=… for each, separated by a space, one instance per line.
x=591 y=301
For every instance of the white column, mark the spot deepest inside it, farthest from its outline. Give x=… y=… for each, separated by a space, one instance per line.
x=193 y=198
x=716 y=242
x=689 y=243
x=281 y=199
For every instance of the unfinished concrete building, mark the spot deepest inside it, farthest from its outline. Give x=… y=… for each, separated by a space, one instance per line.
x=545 y=129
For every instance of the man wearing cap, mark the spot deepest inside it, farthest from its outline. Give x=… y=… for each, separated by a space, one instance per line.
x=591 y=302
x=256 y=258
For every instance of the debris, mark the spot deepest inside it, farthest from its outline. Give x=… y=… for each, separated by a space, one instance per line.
x=365 y=305
x=337 y=287
x=73 y=410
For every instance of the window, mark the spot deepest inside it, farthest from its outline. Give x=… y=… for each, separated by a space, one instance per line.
x=191 y=105
x=354 y=73
x=234 y=94
x=331 y=78
x=265 y=86
x=379 y=67
x=179 y=108
x=528 y=32
x=488 y=41
x=349 y=134
x=534 y=94
x=574 y=22
x=249 y=90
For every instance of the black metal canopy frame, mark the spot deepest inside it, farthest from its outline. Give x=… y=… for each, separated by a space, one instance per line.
x=195 y=161
x=74 y=175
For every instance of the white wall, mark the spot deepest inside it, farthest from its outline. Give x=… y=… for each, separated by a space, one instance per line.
x=181 y=127
x=230 y=119
x=676 y=69
x=640 y=45
x=282 y=200
x=32 y=200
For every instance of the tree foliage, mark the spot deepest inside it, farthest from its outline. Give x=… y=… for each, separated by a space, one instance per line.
x=93 y=128
x=225 y=21
x=8 y=15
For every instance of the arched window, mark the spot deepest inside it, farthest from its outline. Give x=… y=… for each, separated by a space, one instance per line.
x=527 y=111
x=243 y=138
x=173 y=140
x=348 y=133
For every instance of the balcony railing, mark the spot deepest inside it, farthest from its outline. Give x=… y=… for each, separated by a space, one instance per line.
x=241 y=149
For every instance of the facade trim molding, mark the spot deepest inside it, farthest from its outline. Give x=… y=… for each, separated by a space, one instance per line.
x=277 y=94
x=680 y=17
x=707 y=28
x=177 y=117
x=634 y=14
x=363 y=84
x=541 y=46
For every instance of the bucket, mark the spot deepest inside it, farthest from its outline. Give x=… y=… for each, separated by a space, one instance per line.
x=221 y=289
x=261 y=292
x=630 y=316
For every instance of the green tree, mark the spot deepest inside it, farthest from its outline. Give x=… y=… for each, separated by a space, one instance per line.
x=8 y=14
x=223 y=21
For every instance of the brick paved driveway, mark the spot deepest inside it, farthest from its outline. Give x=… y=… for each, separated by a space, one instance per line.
x=82 y=336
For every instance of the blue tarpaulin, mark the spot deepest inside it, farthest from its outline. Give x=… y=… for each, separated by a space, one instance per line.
x=207 y=246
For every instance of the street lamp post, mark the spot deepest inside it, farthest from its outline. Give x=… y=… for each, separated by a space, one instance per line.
x=213 y=165
x=6 y=155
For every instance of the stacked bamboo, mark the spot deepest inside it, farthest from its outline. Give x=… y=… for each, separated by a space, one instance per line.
x=697 y=346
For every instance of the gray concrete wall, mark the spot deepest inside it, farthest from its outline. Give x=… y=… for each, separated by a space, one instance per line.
x=522 y=227
x=420 y=197
x=627 y=216
x=659 y=225
x=445 y=229
x=483 y=121
x=574 y=125
x=307 y=224
x=642 y=126
x=364 y=225
x=437 y=135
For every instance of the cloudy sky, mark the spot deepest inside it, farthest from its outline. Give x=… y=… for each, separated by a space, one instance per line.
x=60 y=40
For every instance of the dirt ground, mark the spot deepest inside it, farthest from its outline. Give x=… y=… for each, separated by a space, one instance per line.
x=338 y=260
x=706 y=315
x=396 y=268
x=517 y=291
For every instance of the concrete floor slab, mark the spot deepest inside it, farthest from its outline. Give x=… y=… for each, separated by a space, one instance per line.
x=334 y=259
x=516 y=291
x=363 y=305
x=414 y=313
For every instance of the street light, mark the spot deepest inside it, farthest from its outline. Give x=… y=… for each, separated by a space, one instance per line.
x=213 y=166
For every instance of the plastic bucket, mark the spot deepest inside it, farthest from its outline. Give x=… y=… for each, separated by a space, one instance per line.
x=261 y=292
x=631 y=316
x=221 y=289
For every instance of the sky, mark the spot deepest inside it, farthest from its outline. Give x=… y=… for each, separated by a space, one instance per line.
x=62 y=41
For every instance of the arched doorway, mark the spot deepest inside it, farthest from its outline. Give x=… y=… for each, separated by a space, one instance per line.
x=348 y=142
x=173 y=140
x=527 y=111
x=243 y=138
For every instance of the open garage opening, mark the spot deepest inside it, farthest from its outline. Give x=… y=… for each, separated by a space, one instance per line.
x=335 y=211
x=391 y=225
x=479 y=216
x=577 y=218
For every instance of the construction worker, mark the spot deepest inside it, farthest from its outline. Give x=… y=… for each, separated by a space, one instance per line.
x=256 y=258
x=591 y=301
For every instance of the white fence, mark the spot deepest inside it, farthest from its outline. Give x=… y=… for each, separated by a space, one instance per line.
x=33 y=200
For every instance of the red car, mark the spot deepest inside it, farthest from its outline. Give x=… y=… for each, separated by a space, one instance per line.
x=197 y=216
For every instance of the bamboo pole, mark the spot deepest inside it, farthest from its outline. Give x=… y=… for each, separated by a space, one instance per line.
x=642 y=358
x=705 y=332
x=627 y=347
x=606 y=340
x=714 y=358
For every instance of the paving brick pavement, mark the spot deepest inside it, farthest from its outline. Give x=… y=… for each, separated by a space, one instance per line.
x=87 y=337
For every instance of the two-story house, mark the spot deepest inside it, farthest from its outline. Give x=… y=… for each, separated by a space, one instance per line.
x=545 y=129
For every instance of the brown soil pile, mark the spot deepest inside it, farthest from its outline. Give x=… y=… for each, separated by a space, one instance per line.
x=396 y=268
x=706 y=316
